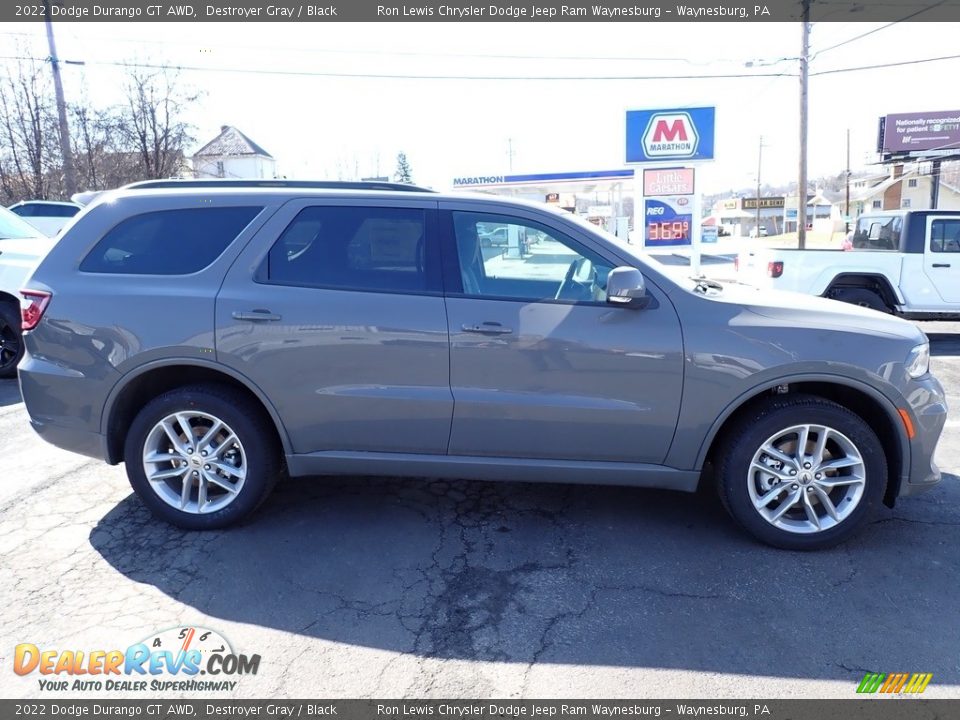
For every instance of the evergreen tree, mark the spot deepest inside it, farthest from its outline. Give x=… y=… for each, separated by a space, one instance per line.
x=404 y=173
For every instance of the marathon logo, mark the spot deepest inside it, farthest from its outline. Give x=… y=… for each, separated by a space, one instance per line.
x=478 y=180
x=670 y=134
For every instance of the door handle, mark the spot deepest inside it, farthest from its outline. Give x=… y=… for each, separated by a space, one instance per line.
x=256 y=315
x=941 y=264
x=488 y=328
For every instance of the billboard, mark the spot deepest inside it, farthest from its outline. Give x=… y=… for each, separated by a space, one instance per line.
x=669 y=135
x=906 y=133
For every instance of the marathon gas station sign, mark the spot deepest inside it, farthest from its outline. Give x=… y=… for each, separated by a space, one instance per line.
x=670 y=135
x=670 y=209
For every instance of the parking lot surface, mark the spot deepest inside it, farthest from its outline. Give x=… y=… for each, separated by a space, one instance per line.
x=379 y=587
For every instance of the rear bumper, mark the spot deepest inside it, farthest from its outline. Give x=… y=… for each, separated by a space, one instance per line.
x=59 y=403
x=83 y=442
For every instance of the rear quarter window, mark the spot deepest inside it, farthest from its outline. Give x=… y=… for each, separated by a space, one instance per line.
x=57 y=211
x=878 y=233
x=168 y=242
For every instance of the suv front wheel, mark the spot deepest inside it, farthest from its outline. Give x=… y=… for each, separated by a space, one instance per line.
x=202 y=457
x=801 y=473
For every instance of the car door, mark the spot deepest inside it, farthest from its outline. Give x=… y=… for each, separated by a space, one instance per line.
x=335 y=311
x=941 y=261
x=541 y=366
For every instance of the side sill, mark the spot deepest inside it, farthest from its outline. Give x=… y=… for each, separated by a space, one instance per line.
x=488 y=468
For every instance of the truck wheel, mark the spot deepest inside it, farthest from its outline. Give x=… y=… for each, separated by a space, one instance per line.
x=11 y=340
x=863 y=297
x=800 y=472
x=202 y=457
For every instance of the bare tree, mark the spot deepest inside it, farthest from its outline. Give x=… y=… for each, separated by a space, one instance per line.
x=152 y=119
x=145 y=136
x=29 y=137
x=101 y=159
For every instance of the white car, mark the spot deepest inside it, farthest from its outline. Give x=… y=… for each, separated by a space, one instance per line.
x=22 y=246
x=47 y=216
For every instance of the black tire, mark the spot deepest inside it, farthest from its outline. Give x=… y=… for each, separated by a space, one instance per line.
x=864 y=297
x=256 y=434
x=11 y=340
x=750 y=431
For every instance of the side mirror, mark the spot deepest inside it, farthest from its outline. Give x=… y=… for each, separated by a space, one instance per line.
x=625 y=286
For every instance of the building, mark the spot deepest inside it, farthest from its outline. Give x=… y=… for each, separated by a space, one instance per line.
x=777 y=214
x=823 y=215
x=231 y=154
x=903 y=187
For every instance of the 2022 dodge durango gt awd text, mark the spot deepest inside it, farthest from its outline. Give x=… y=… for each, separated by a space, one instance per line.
x=213 y=338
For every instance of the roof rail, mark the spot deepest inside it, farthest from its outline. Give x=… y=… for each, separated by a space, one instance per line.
x=253 y=183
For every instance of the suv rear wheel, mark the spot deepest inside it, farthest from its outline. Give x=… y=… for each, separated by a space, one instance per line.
x=801 y=472
x=202 y=457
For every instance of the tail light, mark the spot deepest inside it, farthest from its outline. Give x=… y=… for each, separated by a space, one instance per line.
x=736 y=264
x=775 y=268
x=37 y=301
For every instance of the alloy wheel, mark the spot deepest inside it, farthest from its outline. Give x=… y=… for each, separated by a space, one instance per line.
x=806 y=478
x=194 y=462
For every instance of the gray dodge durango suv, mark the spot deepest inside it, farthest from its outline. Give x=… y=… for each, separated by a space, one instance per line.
x=214 y=337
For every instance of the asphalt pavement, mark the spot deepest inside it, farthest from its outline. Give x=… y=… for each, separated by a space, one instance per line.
x=379 y=587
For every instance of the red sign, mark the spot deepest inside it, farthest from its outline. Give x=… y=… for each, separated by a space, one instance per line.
x=661 y=183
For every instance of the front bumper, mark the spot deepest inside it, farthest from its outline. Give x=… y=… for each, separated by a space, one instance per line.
x=928 y=406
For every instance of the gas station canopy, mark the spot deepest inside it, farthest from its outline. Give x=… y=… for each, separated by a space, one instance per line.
x=542 y=184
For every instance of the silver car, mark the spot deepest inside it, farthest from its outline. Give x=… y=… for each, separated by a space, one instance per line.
x=216 y=336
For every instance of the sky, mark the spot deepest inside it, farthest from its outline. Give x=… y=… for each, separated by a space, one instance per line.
x=326 y=127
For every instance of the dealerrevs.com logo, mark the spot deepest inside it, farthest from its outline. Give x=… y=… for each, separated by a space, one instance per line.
x=179 y=659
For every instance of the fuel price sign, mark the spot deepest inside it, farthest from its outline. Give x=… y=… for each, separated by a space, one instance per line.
x=669 y=221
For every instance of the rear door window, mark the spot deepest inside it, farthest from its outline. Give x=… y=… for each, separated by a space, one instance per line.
x=945 y=236
x=355 y=248
x=168 y=242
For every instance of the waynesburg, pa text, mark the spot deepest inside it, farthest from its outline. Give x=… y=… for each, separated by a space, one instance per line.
x=494 y=12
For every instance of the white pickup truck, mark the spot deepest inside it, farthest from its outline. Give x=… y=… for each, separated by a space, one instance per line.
x=903 y=261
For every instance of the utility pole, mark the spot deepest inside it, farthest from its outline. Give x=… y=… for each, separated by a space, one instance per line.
x=804 y=79
x=69 y=172
x=759 y=165
x=846 y=207
x=935 y=184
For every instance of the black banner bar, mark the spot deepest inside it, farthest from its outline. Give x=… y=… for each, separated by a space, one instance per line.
x=479 y=11
x=874 y=708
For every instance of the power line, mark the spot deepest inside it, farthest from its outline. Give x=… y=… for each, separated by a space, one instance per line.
x=885 y=65
x=399 y=76
x=403 y=53
x=876 y=30
x=525 y=78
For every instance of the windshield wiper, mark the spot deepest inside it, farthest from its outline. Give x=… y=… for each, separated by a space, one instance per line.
x=704 y=284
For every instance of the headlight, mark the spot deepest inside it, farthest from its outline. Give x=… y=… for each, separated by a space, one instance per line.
x=918 y=361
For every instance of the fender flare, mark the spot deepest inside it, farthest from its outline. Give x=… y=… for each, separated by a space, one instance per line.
x=885 y=402
x=892 y=292
x=109 y=404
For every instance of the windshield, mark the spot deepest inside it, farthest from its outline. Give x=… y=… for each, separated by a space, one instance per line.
x=13 y=227
x=679 y=274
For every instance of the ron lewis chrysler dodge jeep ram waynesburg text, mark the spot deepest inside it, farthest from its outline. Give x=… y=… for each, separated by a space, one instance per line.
x=213 y=338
